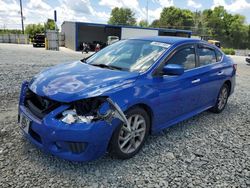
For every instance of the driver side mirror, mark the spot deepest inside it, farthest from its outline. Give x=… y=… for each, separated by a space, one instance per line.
x=173 y=69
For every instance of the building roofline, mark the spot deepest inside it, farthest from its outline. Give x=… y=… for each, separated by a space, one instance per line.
x=125 y=26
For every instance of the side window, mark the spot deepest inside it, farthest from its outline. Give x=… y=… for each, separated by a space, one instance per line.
x=219 y=55
x=206 y=56
x=184 y=57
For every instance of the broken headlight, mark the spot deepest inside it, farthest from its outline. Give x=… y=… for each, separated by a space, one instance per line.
x=93 y=109
x=70 y=116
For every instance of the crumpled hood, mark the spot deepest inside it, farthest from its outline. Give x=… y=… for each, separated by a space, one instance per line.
x=77 y=80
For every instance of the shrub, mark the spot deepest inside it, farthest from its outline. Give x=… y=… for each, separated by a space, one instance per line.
x=228 y=51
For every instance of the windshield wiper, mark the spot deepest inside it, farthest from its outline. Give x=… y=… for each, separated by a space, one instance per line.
x=112 y=67
x=83 y=60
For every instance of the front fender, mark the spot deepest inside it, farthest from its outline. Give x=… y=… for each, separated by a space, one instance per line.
x=134 y=94
x=128 y=97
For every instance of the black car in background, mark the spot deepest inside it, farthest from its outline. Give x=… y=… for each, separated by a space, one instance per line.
x=248 y=58
x=39 y=40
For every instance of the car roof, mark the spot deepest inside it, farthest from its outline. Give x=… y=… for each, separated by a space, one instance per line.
x=167 y=39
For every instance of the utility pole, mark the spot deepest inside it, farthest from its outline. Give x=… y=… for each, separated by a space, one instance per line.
x=21 y=10
x=147 y=11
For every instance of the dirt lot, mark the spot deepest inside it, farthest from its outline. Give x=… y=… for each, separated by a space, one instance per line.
x=208 y=150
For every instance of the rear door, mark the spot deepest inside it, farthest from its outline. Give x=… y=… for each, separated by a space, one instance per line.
x=211 y=73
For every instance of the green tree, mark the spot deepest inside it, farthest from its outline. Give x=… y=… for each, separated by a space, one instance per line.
x=172 y=17
x=238 y=32
x=187 y=18
x=143 y=23
x=33 y=29
x=10 y=31
x=155 y=24
x=50 y=24
x=217 y=21
x=229 y=29
x=200 y=30
x=122 y=16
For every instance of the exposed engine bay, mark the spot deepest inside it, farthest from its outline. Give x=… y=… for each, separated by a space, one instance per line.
x=81 y=111
x=93 y=109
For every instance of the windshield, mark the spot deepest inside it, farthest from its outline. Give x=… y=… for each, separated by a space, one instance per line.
x=129 y=55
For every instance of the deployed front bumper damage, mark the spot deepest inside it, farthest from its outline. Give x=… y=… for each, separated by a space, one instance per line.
x=116 y=112
x=76 y=141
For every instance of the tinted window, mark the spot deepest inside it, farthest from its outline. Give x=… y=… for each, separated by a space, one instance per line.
x=184 y=57
x=219 y=55
x=206 y=56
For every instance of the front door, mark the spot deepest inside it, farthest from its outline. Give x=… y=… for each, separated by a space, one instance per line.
x=178 y=95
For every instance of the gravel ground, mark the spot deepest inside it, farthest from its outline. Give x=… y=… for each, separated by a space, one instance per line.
x=208 y=150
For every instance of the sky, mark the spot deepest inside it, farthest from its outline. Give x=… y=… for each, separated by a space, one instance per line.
x=38 y=11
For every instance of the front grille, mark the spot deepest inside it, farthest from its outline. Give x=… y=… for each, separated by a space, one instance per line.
x=76 y=147
x=39 y=106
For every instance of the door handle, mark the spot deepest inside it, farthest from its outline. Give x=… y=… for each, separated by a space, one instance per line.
x=220 y=73
x=196 y=81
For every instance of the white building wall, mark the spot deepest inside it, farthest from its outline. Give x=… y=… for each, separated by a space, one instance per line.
x=137 y=32
x=69 y=31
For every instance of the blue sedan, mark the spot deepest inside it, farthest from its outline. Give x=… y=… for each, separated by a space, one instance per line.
x=112 y=100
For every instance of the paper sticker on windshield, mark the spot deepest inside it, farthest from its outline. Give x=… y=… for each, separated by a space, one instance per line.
x=161 y=44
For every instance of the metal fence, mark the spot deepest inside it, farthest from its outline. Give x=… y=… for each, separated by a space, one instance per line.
x=242 y=52
x=14 y=38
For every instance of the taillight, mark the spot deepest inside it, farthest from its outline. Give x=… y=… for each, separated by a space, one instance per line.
x=235 y=66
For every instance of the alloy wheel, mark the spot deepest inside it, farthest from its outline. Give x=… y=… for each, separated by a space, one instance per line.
x=131 y=136
x=222 y=98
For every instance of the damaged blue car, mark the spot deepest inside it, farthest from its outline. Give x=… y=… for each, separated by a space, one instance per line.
x=112 y=100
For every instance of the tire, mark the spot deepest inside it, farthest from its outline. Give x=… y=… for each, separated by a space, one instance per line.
x=221 y=101
x=118 y=146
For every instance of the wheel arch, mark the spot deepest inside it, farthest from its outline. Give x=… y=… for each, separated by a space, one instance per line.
x=143 y=106
x=229 y=84
x=149 y=111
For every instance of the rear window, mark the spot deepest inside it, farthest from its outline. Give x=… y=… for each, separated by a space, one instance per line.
x=39 y=36
x=219 y=55
x=206 y=56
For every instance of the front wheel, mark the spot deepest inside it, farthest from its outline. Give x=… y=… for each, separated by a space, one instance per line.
x=127 y=140
x=221 y=99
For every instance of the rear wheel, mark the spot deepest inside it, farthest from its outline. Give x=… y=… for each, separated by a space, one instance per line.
x=221 y=100
x=127 y=140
